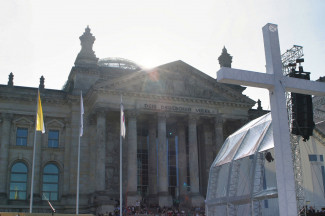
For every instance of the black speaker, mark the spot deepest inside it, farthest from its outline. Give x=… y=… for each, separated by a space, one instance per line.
x=302 y=109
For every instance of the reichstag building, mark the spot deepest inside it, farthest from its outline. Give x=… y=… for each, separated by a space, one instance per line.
x=177 y=118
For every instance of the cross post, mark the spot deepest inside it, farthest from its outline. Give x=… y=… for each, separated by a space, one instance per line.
x=277 y=84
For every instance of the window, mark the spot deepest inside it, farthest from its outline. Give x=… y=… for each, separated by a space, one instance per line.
x=53 y=141
x=321 y=158
x=21 y=136
x=188 y=177
x=18 y=182
x=50 y=189
x=312 y=157
x=172 y=146
x=142 y=162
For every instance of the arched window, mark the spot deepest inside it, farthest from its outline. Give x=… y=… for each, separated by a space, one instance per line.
x=50 y=189
x=18 y=181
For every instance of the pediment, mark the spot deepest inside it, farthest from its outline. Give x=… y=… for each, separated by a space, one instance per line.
x=22 y=121
x=54 y=124
x=175 y=79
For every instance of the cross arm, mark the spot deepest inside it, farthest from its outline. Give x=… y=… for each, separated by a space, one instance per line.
x=302 y=86
x=244 y=77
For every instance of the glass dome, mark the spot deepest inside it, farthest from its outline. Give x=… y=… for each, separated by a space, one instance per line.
x=242 y=177
x=118 y=63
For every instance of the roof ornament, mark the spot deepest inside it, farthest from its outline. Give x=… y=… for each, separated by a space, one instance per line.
x=41 y=83
x=225 y=59
x=86 y=56
x=259 y=106
x=11 y=79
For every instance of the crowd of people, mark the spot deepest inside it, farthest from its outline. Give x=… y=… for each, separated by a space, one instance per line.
x=142 y=209
x=311 y=211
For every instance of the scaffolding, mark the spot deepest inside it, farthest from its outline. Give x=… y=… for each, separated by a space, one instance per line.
x=288 y=63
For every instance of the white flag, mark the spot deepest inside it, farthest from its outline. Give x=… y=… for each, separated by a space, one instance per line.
x=122 y=121
x=81 y=115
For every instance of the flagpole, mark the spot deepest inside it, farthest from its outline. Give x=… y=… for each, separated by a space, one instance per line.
x=79 y=135
x=121 y=176
x=121 y=160
x=78 y=173
x=33 y=163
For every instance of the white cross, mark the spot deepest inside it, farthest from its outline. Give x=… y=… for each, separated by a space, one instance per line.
x=277 y=84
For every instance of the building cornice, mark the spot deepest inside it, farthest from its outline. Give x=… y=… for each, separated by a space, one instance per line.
x=169 y=98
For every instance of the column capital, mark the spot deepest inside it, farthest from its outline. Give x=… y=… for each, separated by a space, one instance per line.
x=192 y=118
x=219 y=120
x=132 y=113
x=101 y=113
x=162 y=115
x=7 y=116
x=153 y=122
x=181 y=123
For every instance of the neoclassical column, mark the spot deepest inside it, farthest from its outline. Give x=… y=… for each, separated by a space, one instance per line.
x=193 y=154
x=74 y=139
x=207 y=153
x=182 y=165
x=100 y=151
x=4 y=152
x=66 y=169
x=132 y=195
x=218 y=131
x=196 y=198
x=152 y=172
x=163 y=195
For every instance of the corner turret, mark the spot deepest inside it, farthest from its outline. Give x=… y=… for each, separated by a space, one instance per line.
x=86 y=56
x=225 y=59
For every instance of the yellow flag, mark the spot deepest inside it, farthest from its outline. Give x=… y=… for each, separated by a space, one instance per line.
x=16 y=192
x=40 y=121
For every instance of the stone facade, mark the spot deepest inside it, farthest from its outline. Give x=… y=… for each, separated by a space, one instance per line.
x=177 y=118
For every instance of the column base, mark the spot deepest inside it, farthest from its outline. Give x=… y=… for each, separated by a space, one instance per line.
x=132 y=198
x=102 y=201
x=102 y=209
x=36 y=198
x=3 y=198
x=152 y=200
x=69 y=199
x=185 y=201
x=197 y=200
x=164 y=199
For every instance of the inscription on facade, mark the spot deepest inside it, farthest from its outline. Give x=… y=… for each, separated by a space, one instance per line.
x=173 y=108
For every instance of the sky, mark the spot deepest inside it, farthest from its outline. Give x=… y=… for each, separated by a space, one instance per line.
x=42 y=37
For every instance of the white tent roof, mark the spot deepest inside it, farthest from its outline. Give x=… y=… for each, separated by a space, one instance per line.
x=256 y=135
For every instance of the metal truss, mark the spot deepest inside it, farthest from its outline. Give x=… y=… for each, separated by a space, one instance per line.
x=288 y=58
x=232 y=187
x=257 y=186
x=212 y=194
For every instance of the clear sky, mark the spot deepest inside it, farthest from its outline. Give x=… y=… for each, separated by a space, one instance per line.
x=40 y=37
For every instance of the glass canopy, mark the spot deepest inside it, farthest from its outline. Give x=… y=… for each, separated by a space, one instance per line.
x=242 y=177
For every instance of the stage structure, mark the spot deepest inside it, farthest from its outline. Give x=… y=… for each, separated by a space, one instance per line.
x=289 y=59
x=277 y=84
